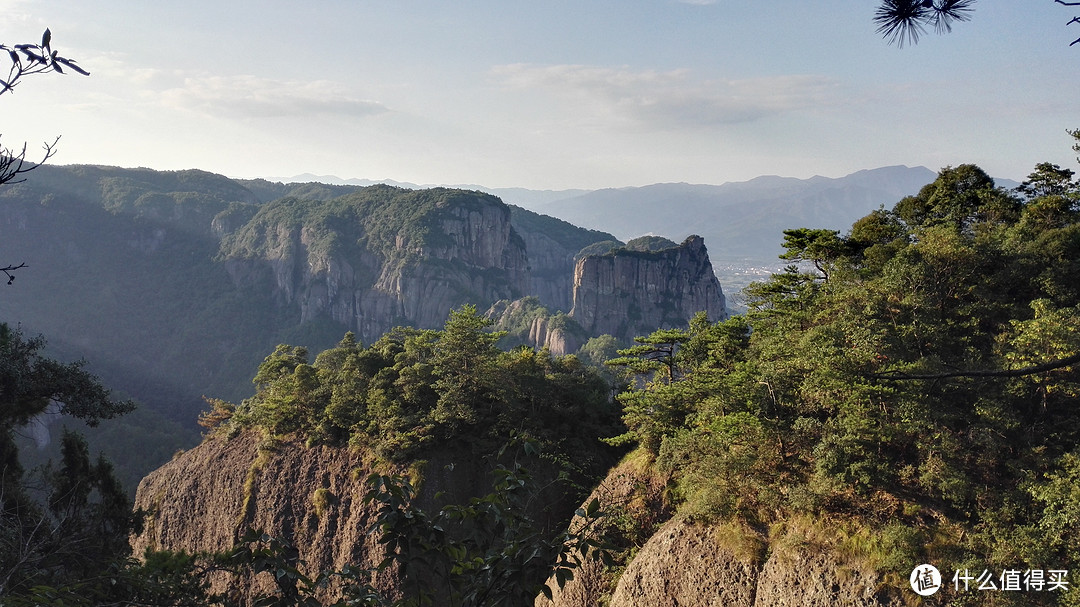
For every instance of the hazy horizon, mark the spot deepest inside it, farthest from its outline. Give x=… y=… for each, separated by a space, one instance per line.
x=543 y=96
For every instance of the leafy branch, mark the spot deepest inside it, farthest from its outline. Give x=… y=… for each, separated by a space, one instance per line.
x=7 y=270
x=27 y=60
x=1030 y=370
x=906 y=20
x=1073 y=20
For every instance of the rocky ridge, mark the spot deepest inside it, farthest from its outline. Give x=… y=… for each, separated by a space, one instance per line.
x=699 y=564
x=627 y=292
x=206 y=498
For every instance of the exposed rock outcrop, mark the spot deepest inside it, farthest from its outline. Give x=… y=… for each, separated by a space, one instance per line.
x=205 y=498
x=686 y=564
x=695 y=565
x=632 y=492
x=553 y=245
x=692 y=564
x=626 y=293
x=312 y=497
x=556 y=339
x=530 y=323
x=364 y=264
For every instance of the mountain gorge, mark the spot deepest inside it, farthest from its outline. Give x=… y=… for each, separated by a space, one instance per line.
x=175 y=285
x=782 y=457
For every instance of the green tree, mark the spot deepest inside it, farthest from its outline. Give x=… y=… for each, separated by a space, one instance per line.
x=85 y=525
x=930 y=383
x=464 y=362
x=820 y=247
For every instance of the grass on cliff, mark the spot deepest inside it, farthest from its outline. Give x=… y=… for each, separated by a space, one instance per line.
x=915 y=377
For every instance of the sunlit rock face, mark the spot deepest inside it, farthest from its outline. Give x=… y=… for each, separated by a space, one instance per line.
x=464 y=252
x=626 y=292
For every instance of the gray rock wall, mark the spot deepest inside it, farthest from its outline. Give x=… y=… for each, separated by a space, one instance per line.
x=629 y=293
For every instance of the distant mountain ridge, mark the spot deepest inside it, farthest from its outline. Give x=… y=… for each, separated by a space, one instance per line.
x=742 y=219
x=739 y=220
x=522 y=197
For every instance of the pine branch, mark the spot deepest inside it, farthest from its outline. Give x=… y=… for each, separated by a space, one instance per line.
x=1032 y=370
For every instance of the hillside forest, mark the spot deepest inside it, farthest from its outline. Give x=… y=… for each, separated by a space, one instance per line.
x=905 y=388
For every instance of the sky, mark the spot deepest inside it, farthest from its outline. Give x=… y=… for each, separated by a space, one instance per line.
x=545 y=94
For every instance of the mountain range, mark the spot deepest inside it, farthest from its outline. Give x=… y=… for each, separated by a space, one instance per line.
x=175 y=285
x=742 y=222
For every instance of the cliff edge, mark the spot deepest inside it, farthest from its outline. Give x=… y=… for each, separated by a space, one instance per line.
x=626 y=292
x=670 y=559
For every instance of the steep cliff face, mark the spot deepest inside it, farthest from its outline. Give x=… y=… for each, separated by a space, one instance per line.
x=703 y=566
x=205 y=498
x=557 y=339
x=530 y=323
x=383 y=258
x=695 y=564
x=312 y=497
x=553 y=245
x=627 y=292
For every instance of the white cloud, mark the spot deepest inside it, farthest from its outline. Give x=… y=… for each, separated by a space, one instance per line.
x=16 y=13
x=674 y=98
x=255 y=97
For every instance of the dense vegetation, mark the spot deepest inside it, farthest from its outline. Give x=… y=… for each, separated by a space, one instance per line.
x=411 y=393
x=130 y=270
x=641 y=244
x=68 y=522
x=385 y=220
x=914 y=378
x=413 y=389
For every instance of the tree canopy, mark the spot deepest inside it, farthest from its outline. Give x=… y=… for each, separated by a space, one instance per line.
x=917 y=374
x=81 y=526
x=413 y=389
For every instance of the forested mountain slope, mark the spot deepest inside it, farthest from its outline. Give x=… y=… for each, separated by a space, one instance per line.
x=176 y=285
x=906 y=395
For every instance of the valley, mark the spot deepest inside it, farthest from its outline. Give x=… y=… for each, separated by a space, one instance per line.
x=335 y=343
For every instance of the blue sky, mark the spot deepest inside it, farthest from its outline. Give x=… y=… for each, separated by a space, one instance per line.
x=543 y=94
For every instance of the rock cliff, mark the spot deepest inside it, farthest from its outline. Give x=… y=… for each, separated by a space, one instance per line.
x=207 y=497
x=383 y=257
x=553 y=245
x=528 y=322
x=696 y=565
x=626 y=292
x=677 y=561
